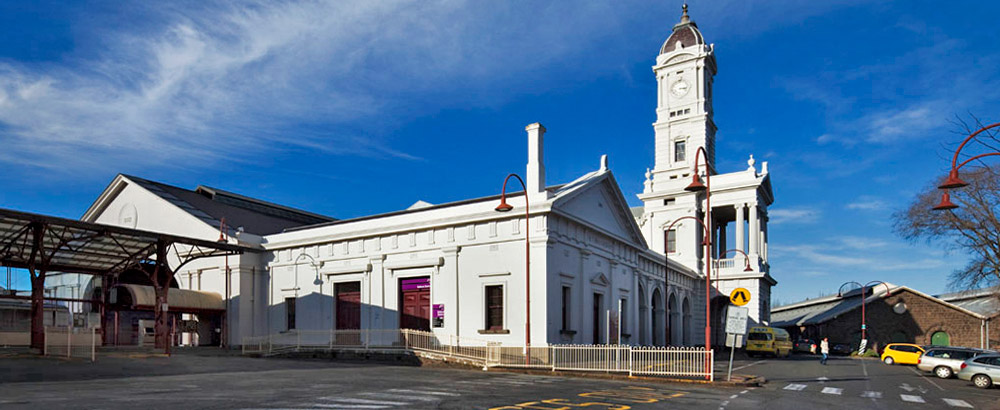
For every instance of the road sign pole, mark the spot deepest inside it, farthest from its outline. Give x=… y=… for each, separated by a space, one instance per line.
x=732 y=349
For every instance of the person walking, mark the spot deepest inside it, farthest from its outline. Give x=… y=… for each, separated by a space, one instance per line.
x=824 y=348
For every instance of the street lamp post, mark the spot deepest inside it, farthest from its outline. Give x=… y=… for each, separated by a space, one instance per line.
x=505 y=207
x=864 y=294
x=746 y=258
x=953 y=181
x=697 y=186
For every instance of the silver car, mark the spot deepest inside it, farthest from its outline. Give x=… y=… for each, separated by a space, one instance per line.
x=983 y=370
x=946 y=361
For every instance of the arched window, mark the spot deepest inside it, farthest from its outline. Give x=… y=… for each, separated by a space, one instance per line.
x=940 y=338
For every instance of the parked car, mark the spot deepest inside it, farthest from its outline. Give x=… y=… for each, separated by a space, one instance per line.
x=983 y=370
x=772 y=341
x=945 y=362
x=804 y=346
x=840 y=349
x=902 y=353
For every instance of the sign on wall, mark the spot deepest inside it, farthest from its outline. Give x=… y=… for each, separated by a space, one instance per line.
x=437 y=314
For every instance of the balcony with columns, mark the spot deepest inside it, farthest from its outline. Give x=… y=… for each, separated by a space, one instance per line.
x=748 y=224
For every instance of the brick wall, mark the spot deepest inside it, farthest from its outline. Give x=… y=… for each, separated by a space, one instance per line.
x=921 y=319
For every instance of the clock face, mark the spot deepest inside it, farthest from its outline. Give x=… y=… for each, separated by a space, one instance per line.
x=680 y=88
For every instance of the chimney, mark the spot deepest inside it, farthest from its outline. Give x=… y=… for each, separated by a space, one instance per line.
x=536 y=165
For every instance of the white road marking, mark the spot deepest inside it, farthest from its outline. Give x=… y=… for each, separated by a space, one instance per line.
x=400 y=396
x=350 y=406
x=922 y=390
x=957 y=403
x=912 y=399
x=363 y=401
x=796 y=387
x=832 y=390
x=872 y=395
x=430 y=392
x=744 y=391
x=748 y=365
x=822 y=379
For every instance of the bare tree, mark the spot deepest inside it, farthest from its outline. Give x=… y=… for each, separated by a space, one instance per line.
x=974 y=227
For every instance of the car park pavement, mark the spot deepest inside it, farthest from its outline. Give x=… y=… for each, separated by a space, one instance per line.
x=801 y=382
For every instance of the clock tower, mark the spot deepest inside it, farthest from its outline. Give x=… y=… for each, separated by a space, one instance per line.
x=684 y=71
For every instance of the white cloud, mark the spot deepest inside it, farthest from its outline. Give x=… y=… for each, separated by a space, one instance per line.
x=793 y=215
x=867 y=203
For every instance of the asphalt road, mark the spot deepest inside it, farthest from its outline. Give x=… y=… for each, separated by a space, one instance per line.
x=800 y=382
x=194 y=381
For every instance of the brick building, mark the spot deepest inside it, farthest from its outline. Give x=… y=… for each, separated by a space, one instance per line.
x=896 y=314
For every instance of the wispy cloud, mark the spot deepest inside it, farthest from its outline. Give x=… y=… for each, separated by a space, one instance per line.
x=793 y=215
x=868 y=203
x=211 y=82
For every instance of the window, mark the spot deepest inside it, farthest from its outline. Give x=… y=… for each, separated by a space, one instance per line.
x=680 y=151
x=759 y=336
x=669 y=201
x=494 y=307
x=671 y=241
x=290 y=313
x=565 y=307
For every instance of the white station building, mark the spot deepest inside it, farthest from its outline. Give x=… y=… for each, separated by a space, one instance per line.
x=597 y=268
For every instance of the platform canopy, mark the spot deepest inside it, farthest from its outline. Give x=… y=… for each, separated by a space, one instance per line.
x=53 y=244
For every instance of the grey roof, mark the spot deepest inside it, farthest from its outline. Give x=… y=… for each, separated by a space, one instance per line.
x=982 y=301
x=637 y=211
x=211 y=205
x=819 y=310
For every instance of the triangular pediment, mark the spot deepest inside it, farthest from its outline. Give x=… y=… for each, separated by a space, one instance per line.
x=601 y=204
x=600 y=280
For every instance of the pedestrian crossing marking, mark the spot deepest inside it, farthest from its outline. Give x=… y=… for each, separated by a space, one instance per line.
x=432 y=393
x=957 y=403
x=400 y=396
x=832 y=390
x=795 y=387
x=872 y=395
x=363 y=401
x=351 y=406
x=912 y=399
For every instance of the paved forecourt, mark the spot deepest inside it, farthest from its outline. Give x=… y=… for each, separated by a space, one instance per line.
x=845 y=383
x=196 y=382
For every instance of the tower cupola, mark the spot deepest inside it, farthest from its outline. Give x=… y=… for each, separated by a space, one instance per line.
x=686 y=34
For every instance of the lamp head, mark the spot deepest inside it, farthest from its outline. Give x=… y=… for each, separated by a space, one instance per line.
x=696 y=185
x=504 y=206
x=748 y=268
x=953 y=181
x=945 y=204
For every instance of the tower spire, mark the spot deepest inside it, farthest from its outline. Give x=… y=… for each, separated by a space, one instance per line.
x=684 y=17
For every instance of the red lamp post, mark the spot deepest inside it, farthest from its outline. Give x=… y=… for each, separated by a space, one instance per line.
x=864 y=297
x=697 y=186
x=953 y=181
x=505 y=207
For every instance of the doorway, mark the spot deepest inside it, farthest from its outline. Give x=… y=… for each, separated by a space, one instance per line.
x=415 y=303
x=598 y=311
x=348 y=305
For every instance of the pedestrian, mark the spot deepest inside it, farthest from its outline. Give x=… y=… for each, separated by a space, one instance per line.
x=824 y=348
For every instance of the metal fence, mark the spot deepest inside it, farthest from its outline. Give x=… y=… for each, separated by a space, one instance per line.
x=70 y=342
x=632 y=360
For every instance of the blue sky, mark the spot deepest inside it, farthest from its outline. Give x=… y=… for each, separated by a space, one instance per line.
x=355 y=108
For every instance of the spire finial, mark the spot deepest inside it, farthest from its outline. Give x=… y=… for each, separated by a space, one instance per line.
x=684 y=16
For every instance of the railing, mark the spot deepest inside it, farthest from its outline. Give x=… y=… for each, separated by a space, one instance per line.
x=633 y=360
x=70 y=342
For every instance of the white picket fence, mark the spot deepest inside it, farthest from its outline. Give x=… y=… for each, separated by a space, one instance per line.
x=692 y=362
x=70 y=342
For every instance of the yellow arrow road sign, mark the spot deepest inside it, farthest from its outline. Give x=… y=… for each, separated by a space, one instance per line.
x=739 y=296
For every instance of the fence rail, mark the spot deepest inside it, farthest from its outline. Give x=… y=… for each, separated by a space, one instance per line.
x=70 y=342
x=633 y=360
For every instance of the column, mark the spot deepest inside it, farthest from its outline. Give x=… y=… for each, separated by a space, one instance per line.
x=450 y=270
x=740 y=228
x=722 y=239
x=764 y=236
x=754 y=231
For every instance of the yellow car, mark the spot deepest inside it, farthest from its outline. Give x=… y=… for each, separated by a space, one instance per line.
x=902 y=353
